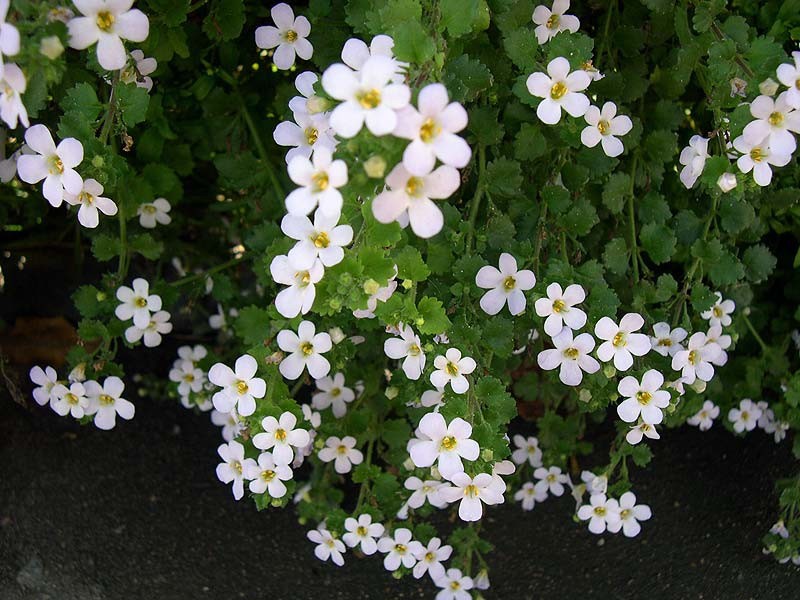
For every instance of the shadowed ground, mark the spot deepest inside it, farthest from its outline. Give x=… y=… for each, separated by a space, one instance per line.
x=137 y=513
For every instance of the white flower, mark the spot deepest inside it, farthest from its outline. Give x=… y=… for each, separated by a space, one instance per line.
x=240 y=386
x=55 y=164
x=400 y=549
x=319 y=181
x=106 y=402
x=409 y=198
x=745 y=417
x=704 y=418
x=559 y=308
x=281 y=435
x=289 y=36
x=333 y=393
x=432 y=130
x=342 y=452
x=382 y=294
x=217 y=320
x=667 y=341
x=90 y=202
x=355 y=54
x=107 y=22
x=789 y=75
x=529 y=495
x=621 y=343
x=694 y=362
x=432 y=398
x=233 y=466
x=482 y=579
x=645 y=398
x=452 y=368
x=774 y=119
x=727 y=182
x=408 y=347
x=327 y=546
x=309 y=134
x=601 y=512
x=438 y=442
x=559 y=89
x=72 y=400
x=757 y=157
x=430 y=559
x=366 y=95
x=231 y=427
x=424 y=491
x=472 y=492
x=500 y=468
x=693 y=157
x=154 y=212
x=138 y=70
x=193 y=354
x=323 y=239
x=629 y=516
x=528 y=450
x=362 y=532
x=137 y=303
x=595 y=484
x=267 y=476
x=604 y=127
x=158 y=324
x=550 y=480
x=9 y=35
x=12 y=86
x=45 y=379
x=572 y=355
x=188 y=377
x=308 y=103
x=505 y=285
x=720 y=312
x=299 y=296
x=634 y=436
x=305 y=349
x=455 y=586
x=551 y=22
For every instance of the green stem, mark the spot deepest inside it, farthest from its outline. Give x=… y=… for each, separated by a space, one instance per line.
x=755 y=333
x=296 y=387
x=475 y=203
x=362 y=493
x=211 y=271
x=540 y=236
x=108 y=120
x=122 y=267
x=262 y=150
x=632 y=222
x=738 y=58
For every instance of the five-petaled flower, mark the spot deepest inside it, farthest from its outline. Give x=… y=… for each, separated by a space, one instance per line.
x=507 y=284
x=289 y=35
x=107 y=22
x=305 y=349
x=559 y=89
x=445 y=444
x=452 y=368
x=240 y=386
x=281 y=435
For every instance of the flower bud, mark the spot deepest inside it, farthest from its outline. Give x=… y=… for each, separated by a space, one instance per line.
x=274 y=358
x=98 y=161
x=337 y=335
x=78 y=373
x=726 y=182
x=419 y=321
x=487 y=454
x=371 y=287
x=584 y=395
x=699 y=386
x=407 y=284
x=51 y=47
x=738 y=87
x=409 y=465
x=100 y=296
x=768 y=87
x=392 y=392
x=335 y=303
x=375 y=167
x=609 y=371
x=317 y=104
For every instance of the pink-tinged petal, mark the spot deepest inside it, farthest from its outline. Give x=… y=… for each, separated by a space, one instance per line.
x=425 y=217
x=575 y=104
x=469 y=449
x=606 y=329
x=432 y=99
x=355 y=53
x=442 y=182
x=612 y=146
x=549 y=112
x=304 y=49
x=638 y=344
x=539 y=85
x=318 y=366
x=516 y=302
x=575 y=318
x=32 y=168
x=347 y=118
x=651 y=414
x=558 y=68
x=39 y=139
x=53 y=190
x=111 y=52
x=762 y=107
x=302 y=26
x=283 y=16
x=628 y=386
x=419 y=158
x=488 y=277
x=132 y=25
x=340 y=82
x=629 y=410
x=389 y=205
x=493 y=301
x=70 y=151
x=623 y=360
x=292 y=366
x=71 y=181
x=424 y=453
x=549 y=359
x=83 y=32
x=380 y=120
x=284 y=56
x=570 y=373
x=578 y=81
x=590 y=136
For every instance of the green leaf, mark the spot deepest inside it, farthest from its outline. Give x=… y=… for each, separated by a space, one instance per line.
x=412 y=43
x=615 y=191
x=105 y=247
x=225 y=20
x=504 y=177
x=433 y=315
x=146 y=245
x=758 y=263
x=133 y=103
x=252 y=325
x=457 y=16
x=410 y=264
x=466 y=78
x=580 y=219
x=521 y=47
x=658 y=241
x=82 y=101
x=616 y=256
x=86 y=301
x=529 y=143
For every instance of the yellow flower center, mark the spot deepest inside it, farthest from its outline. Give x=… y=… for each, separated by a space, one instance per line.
x=306 y=348
x=797 y=83
x=429 y=130
x=414 y=186
x=361 y=531
x=336 y=392
x=509 y=283
x=304 y=277
x=449 y=442
x=745 y=416
x=268 y=475
x=85 y=198
x=717 y=311
x=471 y=491
x=321 y=240
x=603 y=127
x=430 y=556
x=600 y=511
x=551 y=478
x=776 y=118
x=56 y=166
x=290 y=35
x=140 y=301
x=237 y=466
x=71 y=398
x=280 y=434
x=619 y=340
x=312 y=134
x=369 y=99
x=625 y=513
x=150 y=209
x=451 y=368
x=455 y=585
x=414 y=350
x=400 y=548
x=241 y=387
x=558 y=90
x=188 y=378
x=105 y=20
x=644 y=398
x=552 y=22
x=645 y=427
x=693 y=357
x=106 y=400
x=558 y=306
x=665 y=342
x=572 y=353
x=756 y=154
x=342 y=449
x=320 y=181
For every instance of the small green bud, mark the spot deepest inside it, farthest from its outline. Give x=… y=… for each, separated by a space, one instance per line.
x=98 y=161
x=100 y=296
x=487 y=454
x=375 y=167
x=392 y=392
x=407 y=284
x=371 y=287
x=346 y=279
x=335 y=303
x=276 y=503
x=419 y=321
x=584 y=395
x=51 y=47
x=609 y=371
x=699 y=386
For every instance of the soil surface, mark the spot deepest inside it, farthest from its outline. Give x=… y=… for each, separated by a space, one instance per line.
x=137 y=513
